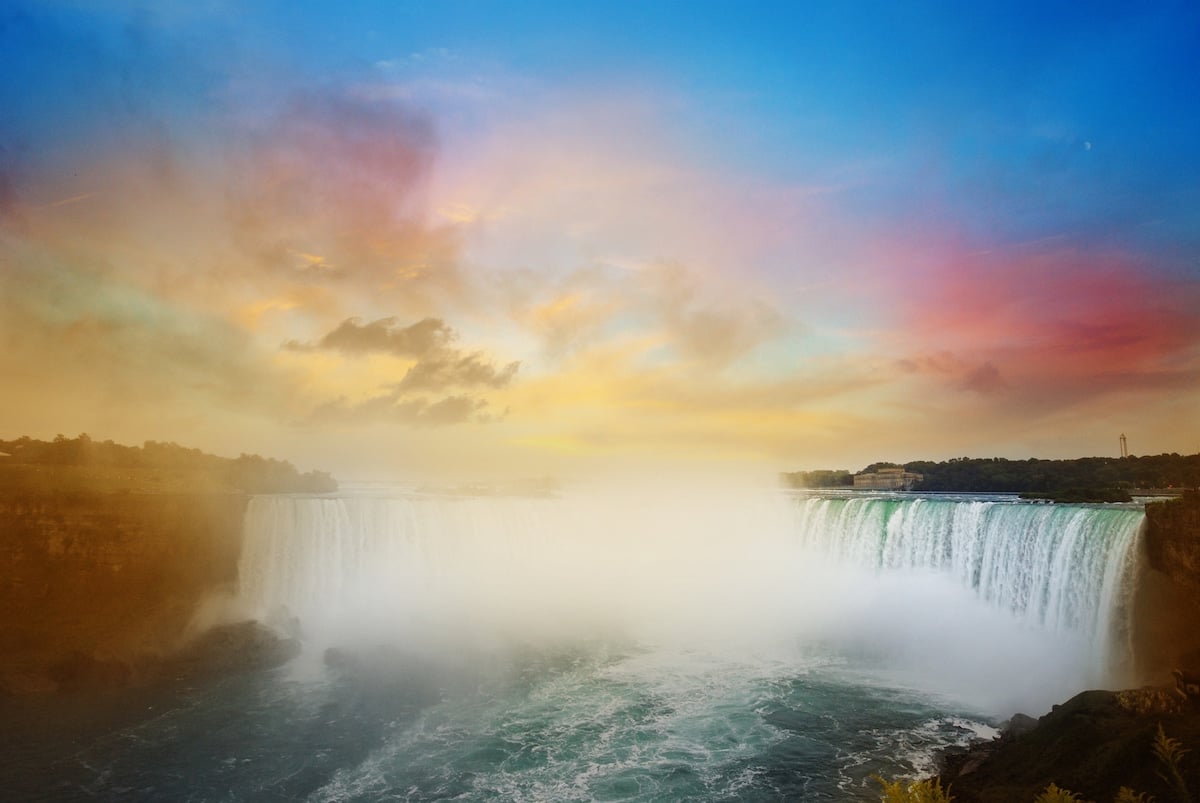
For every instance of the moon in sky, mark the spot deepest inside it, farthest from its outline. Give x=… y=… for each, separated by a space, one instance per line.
x=1087 y=146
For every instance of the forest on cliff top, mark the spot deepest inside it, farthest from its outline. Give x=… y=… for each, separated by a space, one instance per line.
x=1001 y=475
x=83 y=464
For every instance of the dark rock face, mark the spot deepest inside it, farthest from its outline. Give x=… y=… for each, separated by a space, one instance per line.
x=1018 y=726
x=1172 y=538
x=1093 y=744
x=1166 y=635
x=93 y=585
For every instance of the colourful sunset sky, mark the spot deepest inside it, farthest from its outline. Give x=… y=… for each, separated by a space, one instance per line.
x=486 y=239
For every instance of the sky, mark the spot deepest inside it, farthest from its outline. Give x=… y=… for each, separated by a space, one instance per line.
x=476 y=240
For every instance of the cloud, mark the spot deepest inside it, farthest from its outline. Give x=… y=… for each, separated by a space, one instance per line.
x=384 y=335
x=941 y=362
x=451 y=369
x=390 y=407
x=428 y=341
x=343 y=177
x=717 y=335
x=985 y=380
x=698 y=321
x=451 y=410
x=1068 y=326
x=438 y=367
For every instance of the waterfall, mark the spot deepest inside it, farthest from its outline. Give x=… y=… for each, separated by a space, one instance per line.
x=323 y=558
x=1068 y=569
x=999 y=600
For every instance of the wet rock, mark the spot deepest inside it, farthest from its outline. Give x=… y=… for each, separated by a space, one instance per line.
x=237 y=647
x=1017 y=726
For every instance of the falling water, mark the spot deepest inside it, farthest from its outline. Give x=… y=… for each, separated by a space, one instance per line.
x=1045 y=582
x=1063 y=569
x=640 y=647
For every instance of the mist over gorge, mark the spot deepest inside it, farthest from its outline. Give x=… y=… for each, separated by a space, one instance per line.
x=646 y=639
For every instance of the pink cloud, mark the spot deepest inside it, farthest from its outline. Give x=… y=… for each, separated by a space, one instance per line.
x=1054 y=327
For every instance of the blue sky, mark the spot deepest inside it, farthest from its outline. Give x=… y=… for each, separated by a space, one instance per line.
x=789 y=234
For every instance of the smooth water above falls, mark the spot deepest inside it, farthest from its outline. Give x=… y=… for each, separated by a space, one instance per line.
x=729 y=646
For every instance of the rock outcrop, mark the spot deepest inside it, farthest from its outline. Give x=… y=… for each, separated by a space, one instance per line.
x=1093 y=744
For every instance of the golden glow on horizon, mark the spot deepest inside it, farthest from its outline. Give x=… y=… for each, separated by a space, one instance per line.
x=660 y=304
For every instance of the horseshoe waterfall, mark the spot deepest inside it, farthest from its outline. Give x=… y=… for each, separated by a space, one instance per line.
x=635 y=646
x=665 y=647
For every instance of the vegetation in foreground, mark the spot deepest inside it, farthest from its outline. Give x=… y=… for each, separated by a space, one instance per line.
x=926 y=790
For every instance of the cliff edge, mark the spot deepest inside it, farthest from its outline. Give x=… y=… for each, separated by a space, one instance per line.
x=1166 y=616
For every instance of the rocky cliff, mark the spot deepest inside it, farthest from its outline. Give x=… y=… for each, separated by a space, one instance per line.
x=94 y=582
x=1166 y=631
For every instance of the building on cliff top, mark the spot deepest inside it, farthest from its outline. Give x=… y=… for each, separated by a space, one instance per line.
x=886 y=479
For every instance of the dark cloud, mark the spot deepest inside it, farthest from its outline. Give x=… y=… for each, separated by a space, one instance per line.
x=450 y=369
x=416 y=340
x=439 y=367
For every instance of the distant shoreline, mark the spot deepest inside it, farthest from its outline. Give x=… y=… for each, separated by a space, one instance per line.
x=1164 y=475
